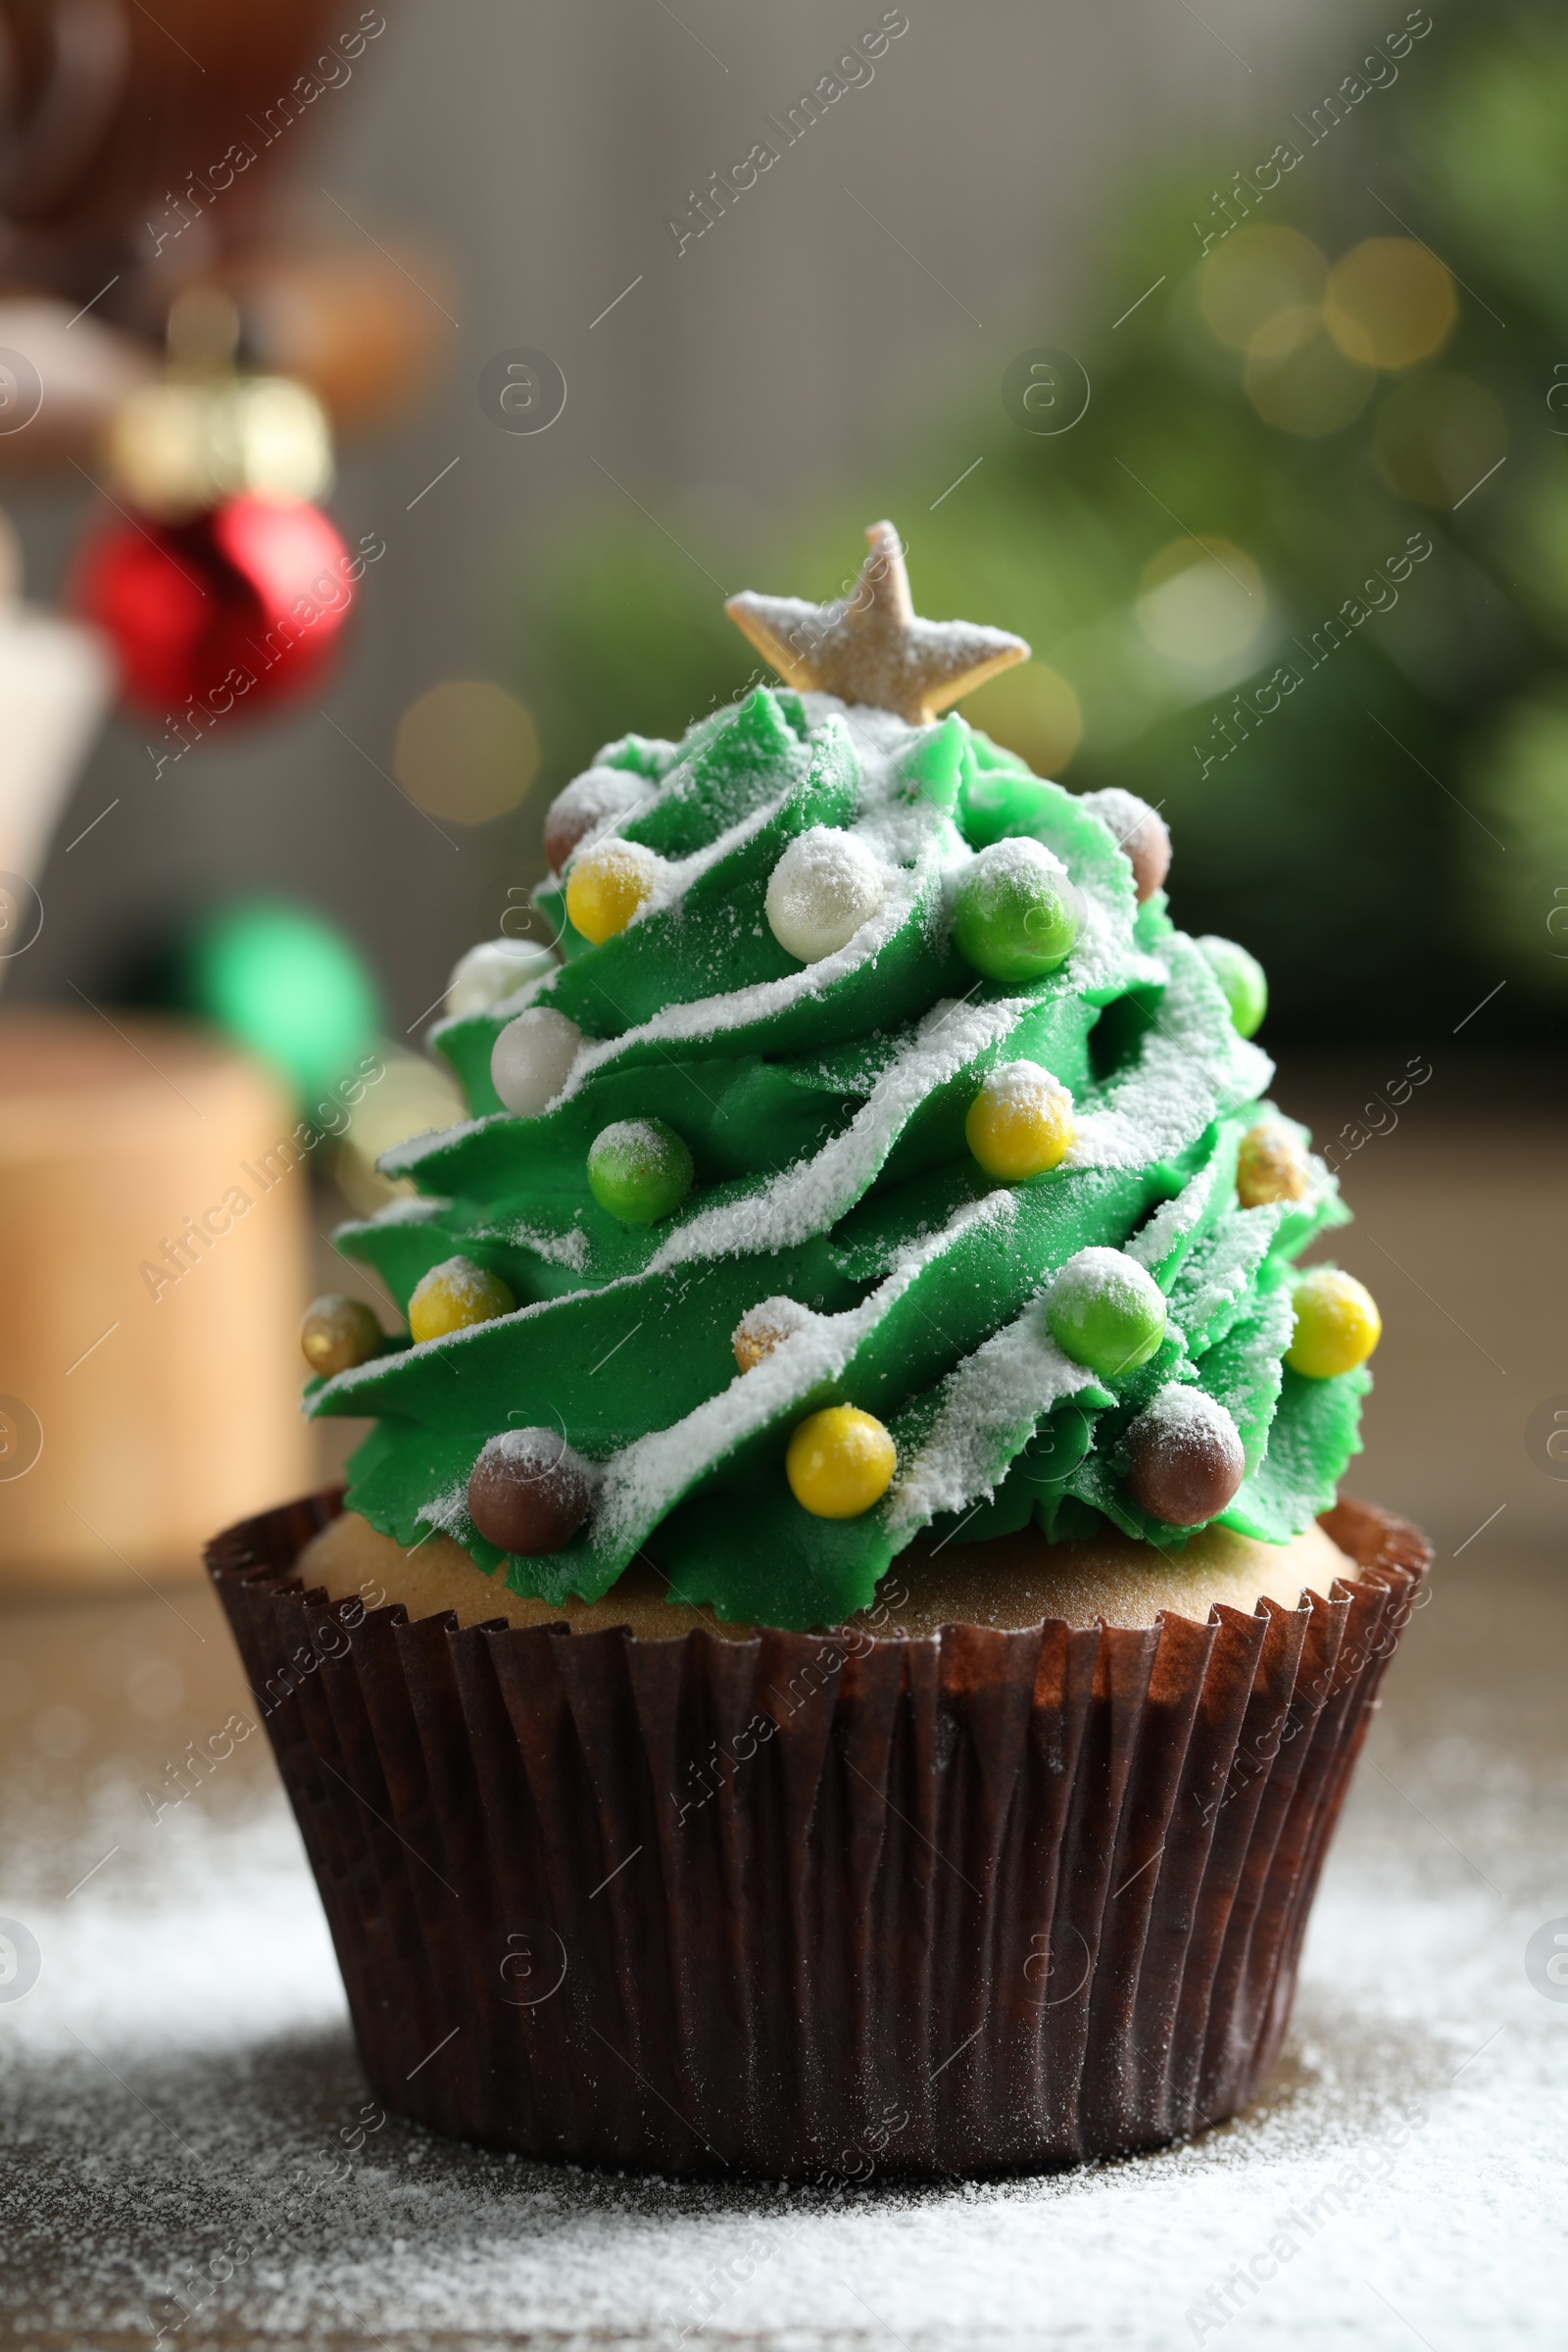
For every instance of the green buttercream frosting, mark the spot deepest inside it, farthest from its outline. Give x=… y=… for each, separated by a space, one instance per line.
x=822 y=1107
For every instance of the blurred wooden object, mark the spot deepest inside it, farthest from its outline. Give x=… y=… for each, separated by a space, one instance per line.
x=149 y=1393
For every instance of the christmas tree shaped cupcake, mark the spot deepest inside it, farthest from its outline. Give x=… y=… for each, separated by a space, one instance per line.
x=870 y=1219
x=878 y=1167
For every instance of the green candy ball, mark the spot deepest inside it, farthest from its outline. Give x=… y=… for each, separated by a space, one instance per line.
x=1105 y=1311
x=639 y=1170
x=1016 y=914
x=1242 y=979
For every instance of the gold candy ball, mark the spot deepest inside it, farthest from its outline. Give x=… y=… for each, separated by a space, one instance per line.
x=1269 y=1166
x=763 y=1326
x=338 y=1333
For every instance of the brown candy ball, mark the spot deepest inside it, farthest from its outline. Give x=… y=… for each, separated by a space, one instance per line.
x=338 y=1333
x=1269 y=1166
x=1141 y=833
x=529 y=1492
x=1184 y=1457
x=589 y=804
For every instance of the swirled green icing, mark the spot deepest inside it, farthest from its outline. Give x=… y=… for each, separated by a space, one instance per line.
x=824 y=1109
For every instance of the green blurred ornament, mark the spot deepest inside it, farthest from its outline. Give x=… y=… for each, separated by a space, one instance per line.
x=286 y=984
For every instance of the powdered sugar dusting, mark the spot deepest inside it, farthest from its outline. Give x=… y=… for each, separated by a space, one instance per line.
x=765 y=1325
x=989 y=1404
x=812 y=1195
x=569 y=1249
x=1192 y=1067
x=449 y=1512
x=1020 y=860
x=1107 y=1275
x=707 y=1017
x=1024 y=1086
x=401 y=1160
x=1173 y=1220
x=590 y=806
x=1184 y=1417
x=1181 y=1080
x=466 y=1282
x=649 y=1477
x=1123 y=811
x=410 y=1209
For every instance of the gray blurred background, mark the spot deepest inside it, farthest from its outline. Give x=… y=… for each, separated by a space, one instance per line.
x=541 y=151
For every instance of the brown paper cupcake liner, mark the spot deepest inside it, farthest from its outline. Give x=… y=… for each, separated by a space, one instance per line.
x=816 y=1905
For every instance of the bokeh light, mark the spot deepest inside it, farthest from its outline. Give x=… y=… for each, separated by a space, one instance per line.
x=1262 y=279
x=1437 y=436
x=1200 y=601
x=1389 y=303
x=1517 y=782
x=1034 y=712
x=1309 y=388
x=415 y=1097
x=466 y=749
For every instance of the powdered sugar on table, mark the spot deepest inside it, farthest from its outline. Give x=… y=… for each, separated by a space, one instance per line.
x=185 y=2059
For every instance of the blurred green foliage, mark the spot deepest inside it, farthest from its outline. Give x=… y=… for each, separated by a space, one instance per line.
x=1307 y=397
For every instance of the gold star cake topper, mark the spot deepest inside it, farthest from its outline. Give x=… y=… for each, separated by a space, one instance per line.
x=869 y=646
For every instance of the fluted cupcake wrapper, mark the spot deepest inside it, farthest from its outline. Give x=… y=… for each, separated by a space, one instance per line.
x=816 y=1905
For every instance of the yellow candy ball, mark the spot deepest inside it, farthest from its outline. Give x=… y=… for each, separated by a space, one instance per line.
x=455 y=1294
x=1270 y=1165
x=607 y=885
x=839 y=1463
x=1021 y=1122
x=1337 y=1324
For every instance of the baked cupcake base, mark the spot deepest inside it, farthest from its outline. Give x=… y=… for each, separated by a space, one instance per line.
x=816 y=1905
x=1009 y=1583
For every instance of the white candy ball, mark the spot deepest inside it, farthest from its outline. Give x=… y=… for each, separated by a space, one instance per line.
x=531 y=1059
x=491 y=972
x=824 y=888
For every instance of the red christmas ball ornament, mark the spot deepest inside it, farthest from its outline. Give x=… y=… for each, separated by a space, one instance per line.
x=227 y=611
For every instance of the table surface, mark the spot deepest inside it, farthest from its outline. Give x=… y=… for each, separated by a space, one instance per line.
x=184 y=2055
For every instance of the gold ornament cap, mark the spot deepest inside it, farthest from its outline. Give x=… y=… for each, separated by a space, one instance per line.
x=179 y=448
